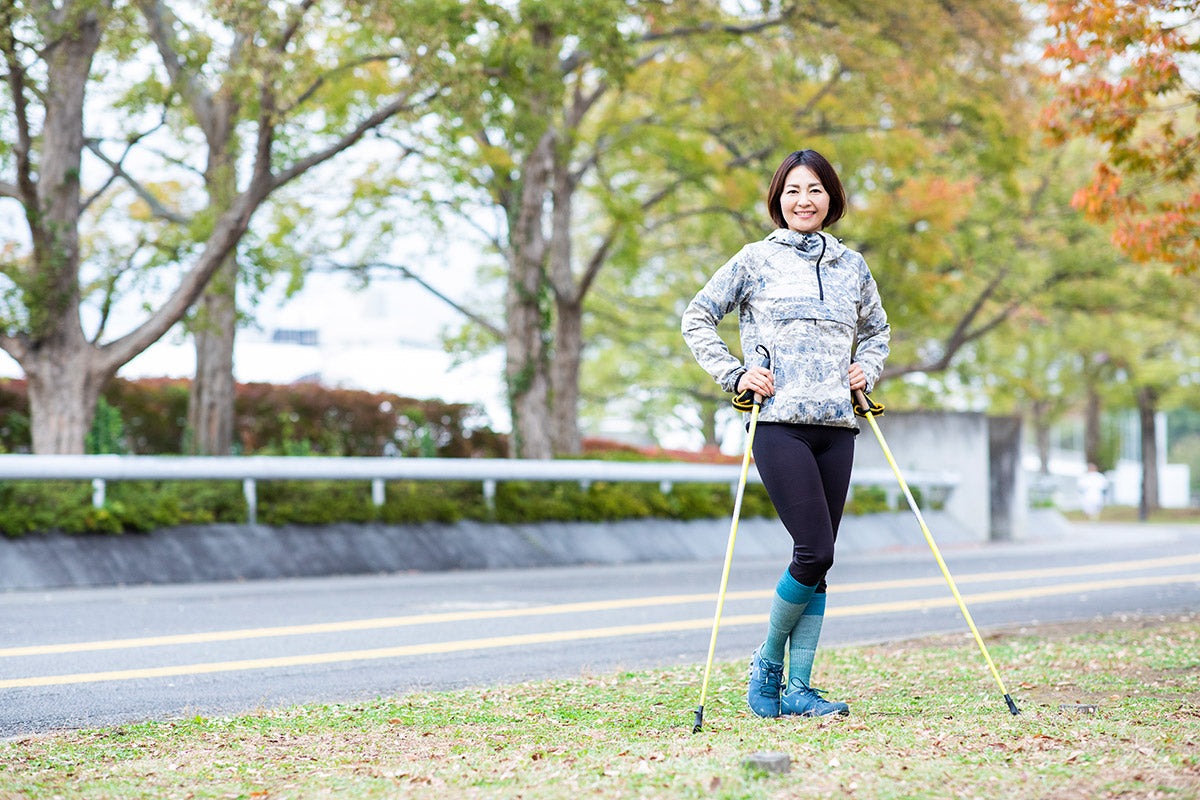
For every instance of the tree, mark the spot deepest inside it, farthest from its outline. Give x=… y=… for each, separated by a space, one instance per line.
x=293 y=89
x=1054 y=356
x=525 y=143
x=596 y=122
x=926 y=142
x=1126 y=77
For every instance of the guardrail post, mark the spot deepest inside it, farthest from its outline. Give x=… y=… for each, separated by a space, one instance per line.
x=98 y=493
x=489 y=494
x=665 y=487
x=377 y=492
x=250 y=490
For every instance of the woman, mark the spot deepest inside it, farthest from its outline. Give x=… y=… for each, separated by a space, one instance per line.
x=814 y=307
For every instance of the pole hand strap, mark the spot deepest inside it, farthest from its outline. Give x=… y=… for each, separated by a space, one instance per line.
x=745 y=399
x=860 y=410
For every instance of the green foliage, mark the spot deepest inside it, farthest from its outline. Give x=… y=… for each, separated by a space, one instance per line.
x=140 y=506
x=130 y=506
x=149 y=417
x=867 y=500
x=108 y=430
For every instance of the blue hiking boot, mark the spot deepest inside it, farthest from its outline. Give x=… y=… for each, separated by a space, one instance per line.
x=763 y=692
x=806 y=701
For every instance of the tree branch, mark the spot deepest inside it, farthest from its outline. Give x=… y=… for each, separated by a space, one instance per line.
x=26 y=189
x=962 y=334
x=573 y=61
x=373 y=121
x=296 y=13
x=227 y=231
x=160 y=20
x=156 y=207
x=482 y=322
x=110 y=291
x=321 y=79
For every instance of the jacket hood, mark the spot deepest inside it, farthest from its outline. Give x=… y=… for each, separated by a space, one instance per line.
x=808 y=242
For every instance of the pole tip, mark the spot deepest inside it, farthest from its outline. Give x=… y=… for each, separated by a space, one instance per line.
x=699 y=720
x=1012 y=707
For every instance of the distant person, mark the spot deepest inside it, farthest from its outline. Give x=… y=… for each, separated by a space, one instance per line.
x=806 y=298
x=1093 y=487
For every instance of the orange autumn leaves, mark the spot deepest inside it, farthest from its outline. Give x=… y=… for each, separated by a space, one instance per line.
x=1125 y=74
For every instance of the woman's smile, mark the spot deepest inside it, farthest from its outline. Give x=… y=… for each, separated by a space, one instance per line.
x=804 y=203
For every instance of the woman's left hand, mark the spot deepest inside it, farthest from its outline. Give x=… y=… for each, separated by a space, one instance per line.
x=857 y=379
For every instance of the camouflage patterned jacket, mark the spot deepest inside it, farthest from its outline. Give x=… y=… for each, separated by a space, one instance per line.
x=807 y=299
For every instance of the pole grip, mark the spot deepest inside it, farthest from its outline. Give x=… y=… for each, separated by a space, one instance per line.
x=861 y=398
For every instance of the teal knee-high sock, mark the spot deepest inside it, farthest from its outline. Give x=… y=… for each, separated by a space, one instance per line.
x=791 y=597
x=802 y=648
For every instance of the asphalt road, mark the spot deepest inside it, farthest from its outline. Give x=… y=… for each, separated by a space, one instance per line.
x=98 y=657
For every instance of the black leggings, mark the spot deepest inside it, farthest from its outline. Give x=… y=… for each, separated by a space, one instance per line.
x=806 y=470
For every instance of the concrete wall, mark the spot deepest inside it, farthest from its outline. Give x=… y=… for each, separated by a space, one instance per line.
x=252 y=552
x=935 y=440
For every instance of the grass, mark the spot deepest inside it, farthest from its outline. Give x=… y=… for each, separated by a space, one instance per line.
x=1178 y=516
x=927 y=722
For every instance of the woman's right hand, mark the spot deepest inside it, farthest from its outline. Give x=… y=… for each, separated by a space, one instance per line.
x=759 y=380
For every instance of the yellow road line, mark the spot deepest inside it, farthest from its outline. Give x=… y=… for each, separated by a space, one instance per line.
x=434 y=648
x=570 y=608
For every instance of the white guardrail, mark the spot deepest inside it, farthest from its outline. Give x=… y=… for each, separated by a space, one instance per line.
x=488 y=471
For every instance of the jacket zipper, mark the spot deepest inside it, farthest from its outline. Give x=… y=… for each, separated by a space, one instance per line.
x=820 y=287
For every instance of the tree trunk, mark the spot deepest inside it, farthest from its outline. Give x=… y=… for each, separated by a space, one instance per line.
x=211 y=399
x=525 y=349
x=1091 y=427
x=1147 y=403
x=1041 y=432
x=568 y=350
x=63 y=370
x=568 y=308
x=214 y=326
x=525 y=365
x=64 y=388
x=708 y=424
x=526 y=371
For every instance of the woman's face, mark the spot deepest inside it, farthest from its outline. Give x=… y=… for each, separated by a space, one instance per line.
x=804 y=202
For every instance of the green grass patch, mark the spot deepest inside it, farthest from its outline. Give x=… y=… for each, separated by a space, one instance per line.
x=927 y=722
x=1177 y=516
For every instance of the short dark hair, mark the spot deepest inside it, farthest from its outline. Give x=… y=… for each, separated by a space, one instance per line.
x=824 y=172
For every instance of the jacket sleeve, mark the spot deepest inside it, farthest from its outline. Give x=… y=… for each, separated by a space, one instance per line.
x=874 y=333
x=724 y=292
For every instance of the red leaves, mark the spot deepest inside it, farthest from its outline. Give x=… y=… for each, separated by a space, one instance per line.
x=1119 y=82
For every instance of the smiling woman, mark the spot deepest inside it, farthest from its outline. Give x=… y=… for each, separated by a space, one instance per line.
x=812 y=305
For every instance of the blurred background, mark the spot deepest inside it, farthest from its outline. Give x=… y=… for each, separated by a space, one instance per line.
x=228 y=228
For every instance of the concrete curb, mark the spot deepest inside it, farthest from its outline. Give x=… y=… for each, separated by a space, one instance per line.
x=248 y=552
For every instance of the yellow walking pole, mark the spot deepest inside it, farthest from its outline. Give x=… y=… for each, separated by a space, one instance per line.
x=737 y=509
x=866 y=408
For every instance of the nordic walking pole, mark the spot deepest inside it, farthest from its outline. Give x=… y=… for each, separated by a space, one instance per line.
x=737 y=509
x=864 y=407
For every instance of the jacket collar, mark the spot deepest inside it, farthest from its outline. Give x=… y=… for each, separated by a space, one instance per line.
x=790 y=238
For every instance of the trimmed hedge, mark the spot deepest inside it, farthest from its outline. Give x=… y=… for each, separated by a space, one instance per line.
x=140 y=506
x=149 y=417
